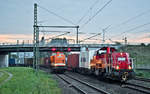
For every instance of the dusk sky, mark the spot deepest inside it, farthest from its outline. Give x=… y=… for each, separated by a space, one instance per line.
x=130 y=18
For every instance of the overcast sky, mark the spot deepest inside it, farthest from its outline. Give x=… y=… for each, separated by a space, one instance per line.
x=16 y=18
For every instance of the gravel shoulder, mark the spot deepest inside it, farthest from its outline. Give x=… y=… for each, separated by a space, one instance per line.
x=1 y=74
x=6 y=80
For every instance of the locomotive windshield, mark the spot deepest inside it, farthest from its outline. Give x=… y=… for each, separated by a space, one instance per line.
x=53 y=54
x=101 y=51
x=121 y=58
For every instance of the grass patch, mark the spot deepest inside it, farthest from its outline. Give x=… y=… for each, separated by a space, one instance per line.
x=25 y=81
x=141 y=54
x=145 y=74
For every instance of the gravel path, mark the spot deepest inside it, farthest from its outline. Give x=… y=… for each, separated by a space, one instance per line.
x=10 y=76
x=1 y=74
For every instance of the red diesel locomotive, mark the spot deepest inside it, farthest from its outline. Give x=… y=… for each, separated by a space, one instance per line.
x=114 y=65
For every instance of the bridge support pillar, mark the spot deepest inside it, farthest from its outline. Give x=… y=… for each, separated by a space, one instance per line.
x=4 y=60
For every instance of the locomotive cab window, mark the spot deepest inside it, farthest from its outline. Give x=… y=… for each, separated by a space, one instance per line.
x=61 y=53
x=121 y=58
x=53 y=54
x=101 y=51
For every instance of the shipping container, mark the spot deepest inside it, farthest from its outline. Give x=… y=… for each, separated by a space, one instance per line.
x=85 y=58
x=73 y=61
x=12 y=62
x=28 y=61
x=21 y=61
x=4 y=61
x=41 y=61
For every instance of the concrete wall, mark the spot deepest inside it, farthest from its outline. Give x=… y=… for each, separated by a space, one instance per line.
x=4 y=60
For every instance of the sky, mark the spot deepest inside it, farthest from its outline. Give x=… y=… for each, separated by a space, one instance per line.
x=124 y=18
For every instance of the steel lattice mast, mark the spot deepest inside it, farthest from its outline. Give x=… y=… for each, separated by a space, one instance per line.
x=35 y=40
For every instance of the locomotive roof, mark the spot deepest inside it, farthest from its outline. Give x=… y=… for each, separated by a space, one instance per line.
x=112 y=49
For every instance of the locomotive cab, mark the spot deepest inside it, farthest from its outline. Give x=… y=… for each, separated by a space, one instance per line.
x=122 y=67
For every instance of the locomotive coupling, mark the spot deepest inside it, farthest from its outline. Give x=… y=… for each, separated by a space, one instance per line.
x=124 y=76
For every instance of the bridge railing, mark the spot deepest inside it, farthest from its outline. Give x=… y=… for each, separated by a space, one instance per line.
x=41 y=44
x=14 y=44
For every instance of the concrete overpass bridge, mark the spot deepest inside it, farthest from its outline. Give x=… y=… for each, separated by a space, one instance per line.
x=6 y=49
x=44 y=48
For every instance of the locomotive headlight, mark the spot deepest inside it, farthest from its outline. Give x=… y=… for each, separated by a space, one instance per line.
x=129 y=67
x=54 y=64
x=121 y=53
x=117 y=67
x=92 y=64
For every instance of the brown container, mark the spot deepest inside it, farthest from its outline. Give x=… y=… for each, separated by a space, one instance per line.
x=28 y=61
x=41 y=61
x=73 y=61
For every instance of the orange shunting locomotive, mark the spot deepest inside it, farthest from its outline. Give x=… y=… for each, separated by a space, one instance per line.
x=58 y=62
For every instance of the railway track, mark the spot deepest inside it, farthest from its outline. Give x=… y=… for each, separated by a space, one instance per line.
x=84 y=88
x=136 y=87
x=81 y=86
x=142 y=79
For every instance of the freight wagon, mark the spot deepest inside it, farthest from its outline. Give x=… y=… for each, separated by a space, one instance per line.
x=105 y=62
x=21 y=62
x=12 y=62
x=80 y=62
x=73 y=62
x=84 y=61
x=28 y=62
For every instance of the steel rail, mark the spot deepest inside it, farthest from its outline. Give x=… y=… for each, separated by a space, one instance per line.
x=142 y=79
x=89 y=85
x=75 y=87
x=140 y=88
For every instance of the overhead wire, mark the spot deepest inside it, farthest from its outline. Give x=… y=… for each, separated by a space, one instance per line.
x=93 y=5
x=90 y=37
x=58 y=36
x=54 y=31
x=145 y=30
x=38 y=1
x=95 y=14
x=131 y=19
x=61 y=17
x=42 y=30
x=132 y=29
x=140 y=31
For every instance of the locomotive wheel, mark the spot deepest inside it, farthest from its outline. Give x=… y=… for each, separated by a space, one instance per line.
x=101 y=77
